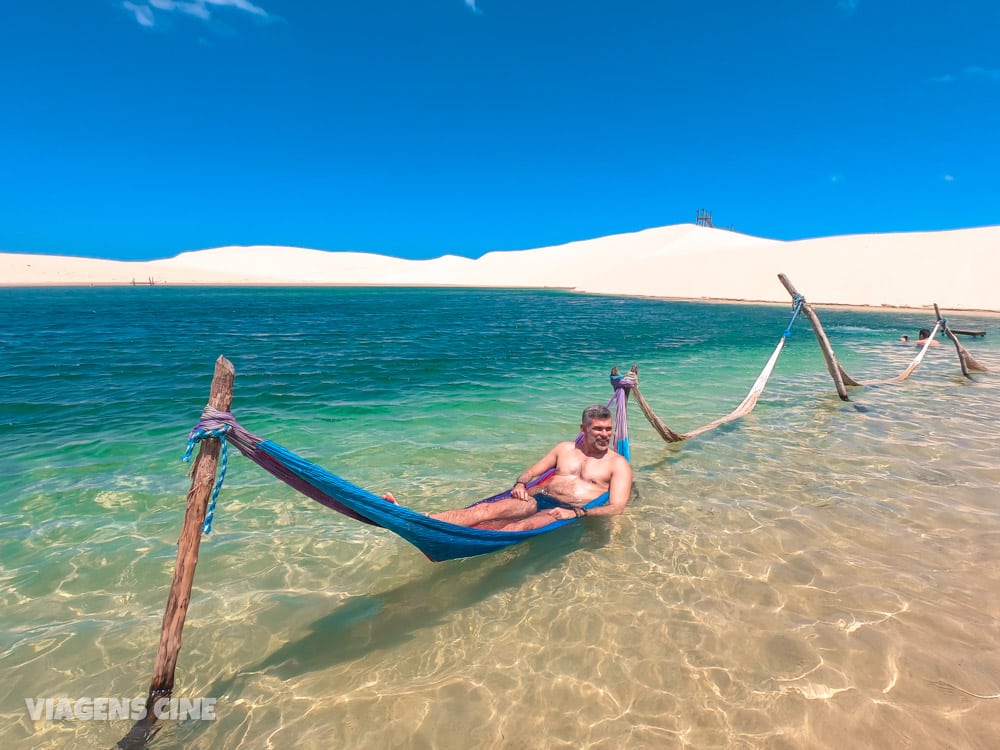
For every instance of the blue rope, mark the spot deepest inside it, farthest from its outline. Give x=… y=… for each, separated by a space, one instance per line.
x=194 y=437
x=797 y=303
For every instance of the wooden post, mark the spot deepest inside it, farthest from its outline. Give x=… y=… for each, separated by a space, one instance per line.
x=966 y=360
x=836 y=371
x=962 y=332
x=203 y=479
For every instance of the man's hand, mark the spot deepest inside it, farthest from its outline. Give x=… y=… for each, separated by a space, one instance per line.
x=562 y=514
x=520 y=492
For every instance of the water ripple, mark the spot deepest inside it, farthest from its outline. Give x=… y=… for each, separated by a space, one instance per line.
x=820 y=574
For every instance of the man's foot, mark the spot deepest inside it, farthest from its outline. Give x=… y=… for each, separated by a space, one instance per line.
x=388 y=497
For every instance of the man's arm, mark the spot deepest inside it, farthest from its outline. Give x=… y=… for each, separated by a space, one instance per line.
x=549 y=461
x=619 y=490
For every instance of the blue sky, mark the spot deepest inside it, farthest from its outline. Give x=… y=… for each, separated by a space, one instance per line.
x=143 y=128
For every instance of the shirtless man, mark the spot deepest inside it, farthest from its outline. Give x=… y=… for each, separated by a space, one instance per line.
x=582 y=473
x=924 y=335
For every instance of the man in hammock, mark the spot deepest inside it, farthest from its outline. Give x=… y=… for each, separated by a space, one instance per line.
x=924 y=335
x=583 y=472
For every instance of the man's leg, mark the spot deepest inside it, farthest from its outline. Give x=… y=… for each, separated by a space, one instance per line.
x=534 y=521
x=511 y=509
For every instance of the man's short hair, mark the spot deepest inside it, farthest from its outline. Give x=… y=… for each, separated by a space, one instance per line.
x=597 y=411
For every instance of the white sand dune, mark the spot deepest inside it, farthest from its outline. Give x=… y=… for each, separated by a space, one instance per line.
x=958 y=269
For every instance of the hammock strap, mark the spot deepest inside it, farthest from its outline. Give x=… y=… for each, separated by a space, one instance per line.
x=623 y=385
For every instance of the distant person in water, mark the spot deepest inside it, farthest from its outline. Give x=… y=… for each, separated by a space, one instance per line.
x=582 y=472
x=924 y=335
x=905 y=339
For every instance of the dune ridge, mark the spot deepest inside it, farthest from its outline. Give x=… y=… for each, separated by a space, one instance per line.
x=957 y=269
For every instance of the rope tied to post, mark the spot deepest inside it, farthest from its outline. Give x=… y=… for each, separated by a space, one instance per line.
x=797 y=301
x=196 y=435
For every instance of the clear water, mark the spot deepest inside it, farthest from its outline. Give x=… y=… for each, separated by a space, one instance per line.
x=820 y=574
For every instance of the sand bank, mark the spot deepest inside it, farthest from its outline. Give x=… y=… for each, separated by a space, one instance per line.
x=956 y=269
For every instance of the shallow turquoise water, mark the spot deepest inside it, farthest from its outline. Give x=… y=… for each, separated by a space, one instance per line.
x=820 y=574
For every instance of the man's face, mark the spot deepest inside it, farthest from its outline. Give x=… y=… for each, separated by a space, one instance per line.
x=597 y=434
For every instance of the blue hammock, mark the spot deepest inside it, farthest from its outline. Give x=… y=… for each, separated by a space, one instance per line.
x=438 y=540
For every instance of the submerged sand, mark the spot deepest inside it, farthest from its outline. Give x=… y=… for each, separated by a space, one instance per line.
x=955 y=269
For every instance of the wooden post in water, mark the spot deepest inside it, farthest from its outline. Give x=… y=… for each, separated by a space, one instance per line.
x=836 y=371
x=966 y=360
x=203 y=479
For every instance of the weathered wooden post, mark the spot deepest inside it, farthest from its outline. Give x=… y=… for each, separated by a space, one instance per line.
x=203 y=479
x=966 y=360
x=836 y=371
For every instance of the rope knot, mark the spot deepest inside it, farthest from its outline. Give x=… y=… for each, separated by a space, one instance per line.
x=625 y=382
